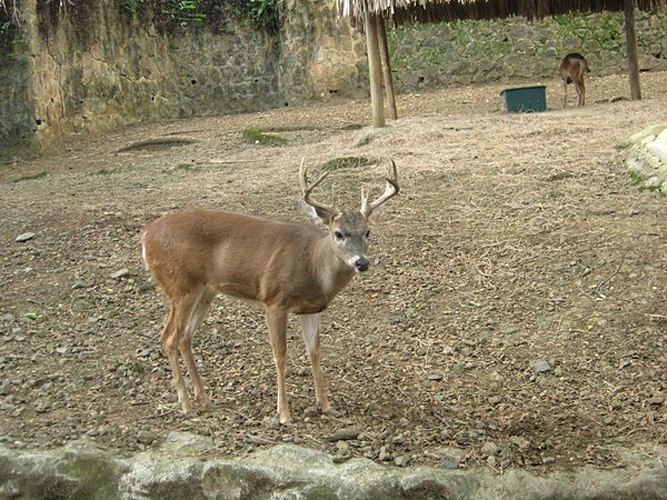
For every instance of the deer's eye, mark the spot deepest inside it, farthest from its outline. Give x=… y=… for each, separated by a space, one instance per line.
x=339 y=236
x=368 y=234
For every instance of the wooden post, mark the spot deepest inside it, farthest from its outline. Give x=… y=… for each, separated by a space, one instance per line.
x=386 y=68
x=374 y=69
x=631 y=42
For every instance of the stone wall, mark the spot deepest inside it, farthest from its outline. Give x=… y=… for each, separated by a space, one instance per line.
x=17 y=123
x=322 y=56
x=429 y=57
x=91 y=66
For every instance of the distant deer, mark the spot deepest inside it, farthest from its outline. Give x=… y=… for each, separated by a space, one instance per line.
x=290 y=267
x=572 y=70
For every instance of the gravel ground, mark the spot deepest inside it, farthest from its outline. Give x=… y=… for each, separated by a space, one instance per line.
x=514 y=316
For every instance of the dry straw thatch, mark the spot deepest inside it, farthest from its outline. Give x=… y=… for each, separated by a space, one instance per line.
x=430 y=11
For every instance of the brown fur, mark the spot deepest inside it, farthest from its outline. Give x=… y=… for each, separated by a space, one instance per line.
x=572 y=70
x=289 y=267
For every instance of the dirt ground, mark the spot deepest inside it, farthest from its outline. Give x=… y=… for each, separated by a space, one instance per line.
x=514 y=317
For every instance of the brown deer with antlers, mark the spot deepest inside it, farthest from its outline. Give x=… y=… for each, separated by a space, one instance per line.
x=572 y=70
x=289 y=267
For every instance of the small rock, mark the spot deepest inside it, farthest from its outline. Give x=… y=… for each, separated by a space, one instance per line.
x=451 y=454
x=490 y=448
x=24 y=237
x=147 y=437
x=271 y=422
x=120 y=273
x=345 y=434
x=255 y=440
x=43 y=407
x=494 y=400
x=78 y=284
x=384 y=455
x=342 y=446
x=310 y=411
x=521 y=442
x=540 y=366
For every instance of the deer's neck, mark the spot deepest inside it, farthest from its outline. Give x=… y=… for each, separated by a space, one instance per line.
x=332 y=273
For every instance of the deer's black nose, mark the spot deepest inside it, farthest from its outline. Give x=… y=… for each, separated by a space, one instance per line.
x=362 y=264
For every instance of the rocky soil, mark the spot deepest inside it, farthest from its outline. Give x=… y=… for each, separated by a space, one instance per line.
x=514 y=317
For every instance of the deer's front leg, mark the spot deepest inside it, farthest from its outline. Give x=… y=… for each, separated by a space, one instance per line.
x=310 y=324
x=276 y=320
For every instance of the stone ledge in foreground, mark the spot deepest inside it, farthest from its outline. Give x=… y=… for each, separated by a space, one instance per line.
x=81 y=470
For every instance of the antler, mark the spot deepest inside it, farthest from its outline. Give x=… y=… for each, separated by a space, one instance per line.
x=390 y=191
x=306 y=189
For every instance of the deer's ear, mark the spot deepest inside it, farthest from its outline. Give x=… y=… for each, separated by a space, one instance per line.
x=317 y=213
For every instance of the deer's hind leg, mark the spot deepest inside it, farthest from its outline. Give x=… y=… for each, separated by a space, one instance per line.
x=581 y=89
x=276 y=321
x=185 y=315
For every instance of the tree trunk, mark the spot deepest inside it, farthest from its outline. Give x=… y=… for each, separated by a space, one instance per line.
x=631 y=42
x=374 y=69
x=386 y=68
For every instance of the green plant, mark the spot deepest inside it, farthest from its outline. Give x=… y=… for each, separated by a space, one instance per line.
x=182 y=11
x=169 y=13
x=133 y=6
x=187 y=167
x=266 y=13
x=263 y=14
x=10 y=25
x=40 y=175
x=258 y=137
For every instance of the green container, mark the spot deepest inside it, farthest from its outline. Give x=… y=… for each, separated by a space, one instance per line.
x=525 y=99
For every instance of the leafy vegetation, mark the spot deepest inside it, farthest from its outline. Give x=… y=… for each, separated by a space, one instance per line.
x=187 y=167
x=167 y=15
x=258 y=137
x=40 y=175
x=605 y=29
x=172 y=14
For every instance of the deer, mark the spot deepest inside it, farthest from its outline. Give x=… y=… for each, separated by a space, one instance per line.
x=572 y=70
x=289 y=267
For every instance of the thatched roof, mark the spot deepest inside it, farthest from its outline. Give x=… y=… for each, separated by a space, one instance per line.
x=430 y=11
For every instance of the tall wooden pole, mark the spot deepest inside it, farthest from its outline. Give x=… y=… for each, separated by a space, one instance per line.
x=386 y=68
x=374 y=69
x=631 y=42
